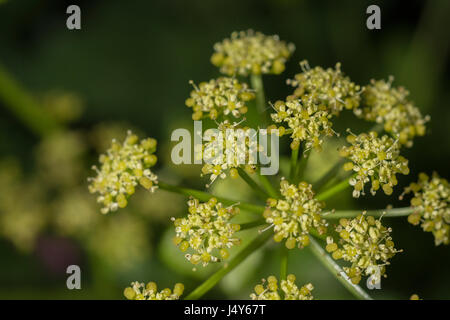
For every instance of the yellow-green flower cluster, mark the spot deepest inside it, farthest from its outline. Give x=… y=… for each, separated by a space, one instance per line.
x=123 y=167
x=249 y=52
x=221 y=96
x=373 y=159
x=327 y=87
x=295 y=215
x=270 y=290
x=390 y=106
x=308 y=121
x=141 y=291
x=430 y=203
x=227 y=148
x=207 y=230
x=366 y=244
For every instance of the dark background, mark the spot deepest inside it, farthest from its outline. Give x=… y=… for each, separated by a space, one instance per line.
x=131 y=62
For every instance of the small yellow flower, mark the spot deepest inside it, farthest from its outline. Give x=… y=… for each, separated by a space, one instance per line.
x=390 y=106
x=230 y=147
x=123 y=167
x=295 y=214
x=207 y=230
x=270 y=290
x=217 y=97
x=373 y=159
x=326 y=87
x=365 y=243
x=430 y=203
x=249 y=52
x=141 y=291
x=309 y=121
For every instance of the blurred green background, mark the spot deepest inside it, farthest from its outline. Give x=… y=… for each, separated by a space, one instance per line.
x=129 y=67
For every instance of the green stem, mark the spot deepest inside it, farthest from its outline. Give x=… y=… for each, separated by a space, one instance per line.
x=284 y=262
x=268 y=185
x=337 y=271
x=205 y=196
x=252 y=224
x=391 y=213
x=294 y=160
x=334 y=189
x=328 y=176
x=24 y=106
x=301 y=166
x=260 y=191
x=257 y=85
x=209 y=283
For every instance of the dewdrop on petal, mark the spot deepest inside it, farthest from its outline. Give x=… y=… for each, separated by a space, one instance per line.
x=375 y=160
x=326 y=87
x=430 y=203
x=365 y=243
x=270 y=290
x=295 y=214
x=249 y=52
x=207 y=231
x=149 y=291
x=123 y=167
x=390 y=106
x=309 y=122
x=217 y=97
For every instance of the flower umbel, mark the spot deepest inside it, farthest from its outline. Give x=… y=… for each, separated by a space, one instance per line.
x=430 y=203
x=228 y=147
x=222 y=96
x=390 y=106
x=295 y=215
x=373 y=159
x=326 y=87
x=123 y=167
x=249 y=52
x=309 y=122
x=270 y=290
x=141 y=291
x=364 y=242
x=207 y=230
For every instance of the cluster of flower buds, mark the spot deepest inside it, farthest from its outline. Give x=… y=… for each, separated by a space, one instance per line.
x=249 y=52
x=326 y=87
x=123 y=167
x=366 y=244
x=373 y=159
x=390 y=106
x=207 y=230
x=270 y=290
x=221 y=96
x=227 y=148
x=141 y=291
x=295 y=215
x=430 y=203
x=308 y=122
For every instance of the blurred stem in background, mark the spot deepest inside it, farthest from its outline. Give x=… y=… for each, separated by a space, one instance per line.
x=24 y=107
